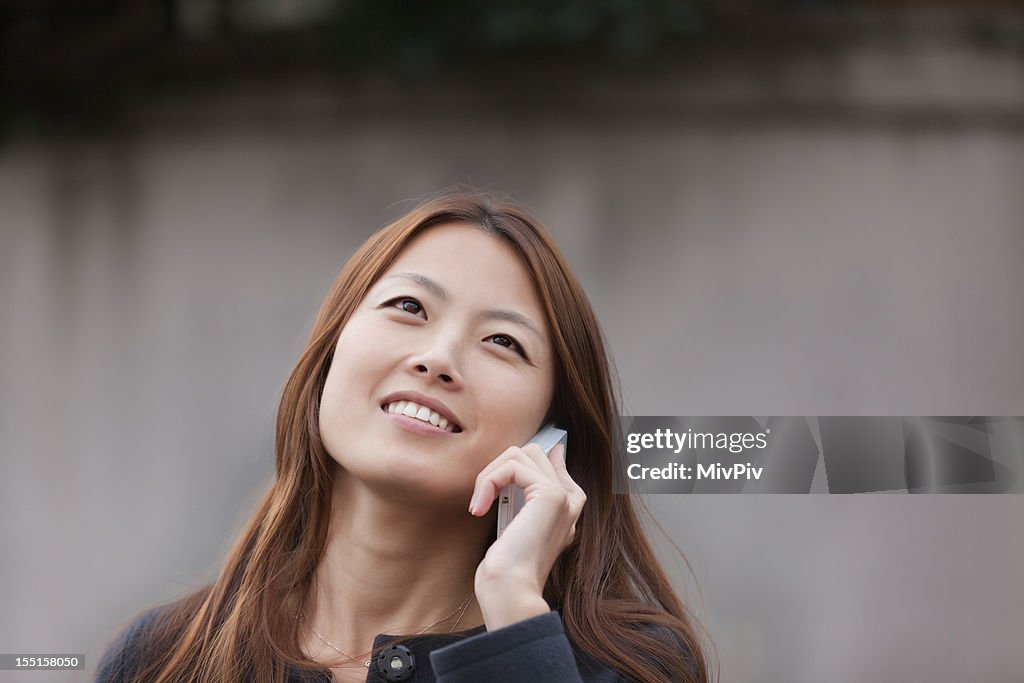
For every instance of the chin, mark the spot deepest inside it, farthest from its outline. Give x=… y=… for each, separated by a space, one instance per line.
x=400 y=466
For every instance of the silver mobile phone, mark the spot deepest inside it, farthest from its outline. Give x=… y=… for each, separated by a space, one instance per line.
x=511 y=499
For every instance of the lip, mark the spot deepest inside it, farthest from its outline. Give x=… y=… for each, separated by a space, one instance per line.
x=432 y=403
x=419 y=427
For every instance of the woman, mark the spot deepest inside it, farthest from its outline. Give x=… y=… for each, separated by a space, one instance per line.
x=447 y=340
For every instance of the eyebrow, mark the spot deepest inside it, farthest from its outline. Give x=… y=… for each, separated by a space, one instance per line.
x=489 y=314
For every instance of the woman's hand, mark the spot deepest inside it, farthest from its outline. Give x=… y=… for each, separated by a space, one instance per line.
x=510 y=579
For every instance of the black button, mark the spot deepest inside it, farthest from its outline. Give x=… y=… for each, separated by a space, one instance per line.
x=396 y=663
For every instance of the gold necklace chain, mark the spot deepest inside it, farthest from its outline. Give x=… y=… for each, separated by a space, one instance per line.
x=464 y=605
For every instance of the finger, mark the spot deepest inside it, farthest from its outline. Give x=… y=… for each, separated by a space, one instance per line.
x=511 y=471
x=557 y=457
x=560 y=470
x=543 y=460
x=510 y=453
x=576 y=499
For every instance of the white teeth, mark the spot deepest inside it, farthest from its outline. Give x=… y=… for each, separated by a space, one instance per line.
x=420 y=413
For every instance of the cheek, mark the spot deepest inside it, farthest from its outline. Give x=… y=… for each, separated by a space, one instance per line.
x=362 y=351
x=512 y=414
x=355 y=367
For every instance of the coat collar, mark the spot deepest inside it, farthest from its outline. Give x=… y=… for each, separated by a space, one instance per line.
x=421 y=645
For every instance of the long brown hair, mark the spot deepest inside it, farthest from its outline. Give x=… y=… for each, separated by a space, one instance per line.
x=616 y=602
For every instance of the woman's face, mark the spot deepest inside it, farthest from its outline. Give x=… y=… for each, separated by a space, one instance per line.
x=454 y=329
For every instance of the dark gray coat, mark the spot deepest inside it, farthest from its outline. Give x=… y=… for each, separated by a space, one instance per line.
x=535 y=650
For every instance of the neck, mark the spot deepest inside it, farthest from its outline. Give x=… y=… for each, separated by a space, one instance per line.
x=391 y=567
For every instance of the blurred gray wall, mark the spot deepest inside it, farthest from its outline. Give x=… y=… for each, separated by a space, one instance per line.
x=808 y=236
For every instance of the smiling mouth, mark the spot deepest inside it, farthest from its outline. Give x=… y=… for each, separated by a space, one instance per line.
x=415 y=411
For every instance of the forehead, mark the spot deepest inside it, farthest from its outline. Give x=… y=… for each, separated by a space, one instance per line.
x=451 y=241
x=461 y=253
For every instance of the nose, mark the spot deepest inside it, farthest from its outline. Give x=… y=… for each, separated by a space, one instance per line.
x=437 y=363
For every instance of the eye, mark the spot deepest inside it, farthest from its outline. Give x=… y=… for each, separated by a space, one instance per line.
x=501 y=339
x=407 y=304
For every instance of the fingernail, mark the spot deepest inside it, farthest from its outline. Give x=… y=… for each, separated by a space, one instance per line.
x=472 y=503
